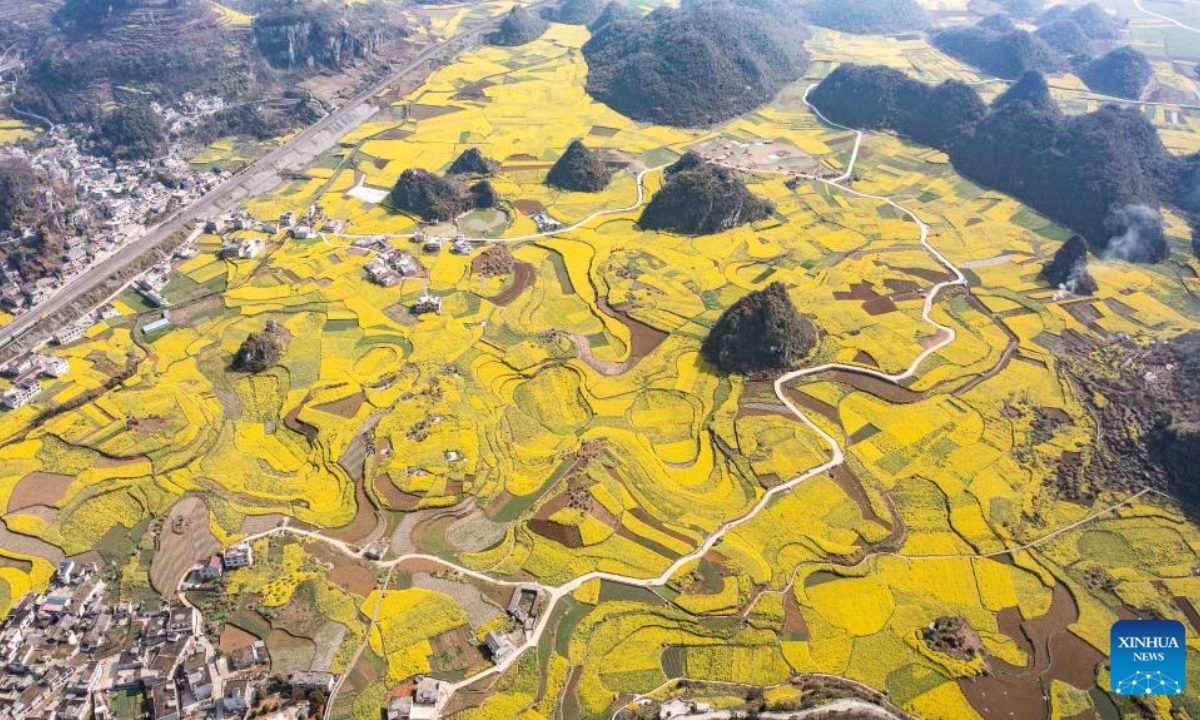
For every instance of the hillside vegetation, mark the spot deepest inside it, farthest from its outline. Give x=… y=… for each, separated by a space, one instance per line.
x=518 y=27
x=1032 y=88
x=700 y=198
x=1005 y=54
x=261 y=350
x=18 y=192
x=695 y=66
x=1123 y=72
x=131 y=132
x=435 y=199
x=867 y=17
x=878 y=97
x=312 y=35
x=761 y=331
x=1101 y=173
x=472 y=161
x=579 y=170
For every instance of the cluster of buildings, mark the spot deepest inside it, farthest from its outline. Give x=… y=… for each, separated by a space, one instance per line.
x=214 y=566
x=107 y=204
x=545 y=223
x=72 y=654
x=23 y=372
x=417 y=701
x=459 y=244
x=387 y=268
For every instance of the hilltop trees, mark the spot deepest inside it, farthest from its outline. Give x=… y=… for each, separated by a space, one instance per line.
x=696 y=66
x=1123 y=72
x=262 y=350
x=1032 y=88
x=614 y=11
x=579 y=170
x=878 y=97
x=575 y=12
x=131 y=132
x=700 y=198
x=1006 y=54
x=760 y=332
x=518 y=27
x=867 y=17
x=473 y=162
x=1096 y=173
x=436 y=198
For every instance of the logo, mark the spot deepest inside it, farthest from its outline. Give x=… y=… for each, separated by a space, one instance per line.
x=1147 y=657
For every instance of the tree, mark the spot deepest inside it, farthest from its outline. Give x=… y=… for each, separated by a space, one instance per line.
x=131 y=132
x=262 y=350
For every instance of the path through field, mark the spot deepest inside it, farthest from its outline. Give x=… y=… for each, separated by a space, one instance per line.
x=944 y=334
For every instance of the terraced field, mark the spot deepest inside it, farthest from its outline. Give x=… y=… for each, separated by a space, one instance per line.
x=557 y=426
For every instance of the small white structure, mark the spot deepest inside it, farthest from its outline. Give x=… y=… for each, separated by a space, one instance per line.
x=308 y=681
x=240 y=555
x=499 y=646
x=428 y=304
x=433 y=244
x=239 y=696
x=462 y=246
x=54 y=366
x=545 y=223
x=20 y=394
x=405 y=264
x=68 y=334
x=303 y=232
x=249 y=248
x=156 y=325
x=210 y=569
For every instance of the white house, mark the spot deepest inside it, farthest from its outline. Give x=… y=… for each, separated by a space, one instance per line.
x=240 y=555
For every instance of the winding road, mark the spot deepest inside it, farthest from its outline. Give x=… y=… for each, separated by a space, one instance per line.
x=944 y=334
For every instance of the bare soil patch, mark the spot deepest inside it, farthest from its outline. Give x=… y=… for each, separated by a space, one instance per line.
x=362 y=524
x=289 y=654
x=184 y=539
x=1054 y=653
x=523 y=277
x=417 y=111
x=234 y=637
x=529 y=207
x=346 y=407
x=353 y=578
x=39 y=488
x=194 y=313
x=567 y=535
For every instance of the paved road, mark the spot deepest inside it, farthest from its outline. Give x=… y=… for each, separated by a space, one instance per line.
x=249 y=182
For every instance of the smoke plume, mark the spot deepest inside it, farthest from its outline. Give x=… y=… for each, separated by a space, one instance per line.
x=1135 y=234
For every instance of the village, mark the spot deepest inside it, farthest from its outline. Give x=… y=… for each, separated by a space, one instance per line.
x=76 y=652
x=114 y=204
